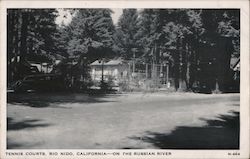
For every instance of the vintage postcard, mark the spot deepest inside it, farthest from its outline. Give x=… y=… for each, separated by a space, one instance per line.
x=124 y=79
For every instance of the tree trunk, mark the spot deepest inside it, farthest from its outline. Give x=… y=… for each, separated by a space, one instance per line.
x=188 y=64
x=10 y=37
x=23 y=45
x=182 y=81
x=24 y=29
x=217 y=89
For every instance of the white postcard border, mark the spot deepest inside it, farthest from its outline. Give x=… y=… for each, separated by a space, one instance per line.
x=244 y=95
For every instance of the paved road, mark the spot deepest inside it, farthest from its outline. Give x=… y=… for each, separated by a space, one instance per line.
x=152 y=120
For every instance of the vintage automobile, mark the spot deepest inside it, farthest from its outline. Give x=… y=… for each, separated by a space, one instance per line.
x=39 y=83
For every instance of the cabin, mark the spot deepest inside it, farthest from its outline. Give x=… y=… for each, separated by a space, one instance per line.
x=235 y=67
x=112 y=70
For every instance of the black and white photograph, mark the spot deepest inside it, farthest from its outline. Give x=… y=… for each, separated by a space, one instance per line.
x=123 y=78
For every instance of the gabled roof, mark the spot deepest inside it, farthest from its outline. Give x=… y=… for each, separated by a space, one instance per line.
x=96 y=63
x=107 y=63
x=234 y=63
x=114 y=62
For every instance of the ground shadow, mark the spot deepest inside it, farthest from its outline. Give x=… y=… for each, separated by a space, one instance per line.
x=13 y=125
x=43 y=100
x=222 y=133
x=25 y=124
x=14 y=145
x=237 y=105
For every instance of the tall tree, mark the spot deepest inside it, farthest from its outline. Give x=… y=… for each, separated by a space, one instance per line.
x=88 y=37
x=150 y=37
x=90 y=29
x=168 y=32
x=126 y=30
x=184 y=34
x=30 y=31
x=222 y=34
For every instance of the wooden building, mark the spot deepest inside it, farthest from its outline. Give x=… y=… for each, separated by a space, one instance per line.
x=112 y=70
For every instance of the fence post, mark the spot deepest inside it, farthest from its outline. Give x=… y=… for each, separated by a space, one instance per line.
x=133 y=64
x=102 y=71
x=167 y=74
x=129 y=70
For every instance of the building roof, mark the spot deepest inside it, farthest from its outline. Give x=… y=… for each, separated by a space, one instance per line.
x=114 y=62
x=234 y=63
x=107 y=63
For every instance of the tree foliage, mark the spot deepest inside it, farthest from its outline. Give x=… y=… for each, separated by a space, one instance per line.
x=30 y=32
x=88 y=37
x=198 y=44
x=196 y=41
x=125 y=37
x=89 y=29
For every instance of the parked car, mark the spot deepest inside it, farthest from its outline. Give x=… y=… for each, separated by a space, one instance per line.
x=38 y=83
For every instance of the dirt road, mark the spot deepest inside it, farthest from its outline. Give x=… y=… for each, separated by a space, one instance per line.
x=138 y=120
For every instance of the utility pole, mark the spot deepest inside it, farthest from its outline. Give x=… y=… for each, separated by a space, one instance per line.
x=154 y=65
x=102 y=70
x=167 y=74
x=133 y=63
x=47 y=68
x=72 y=78
x=129 y=70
